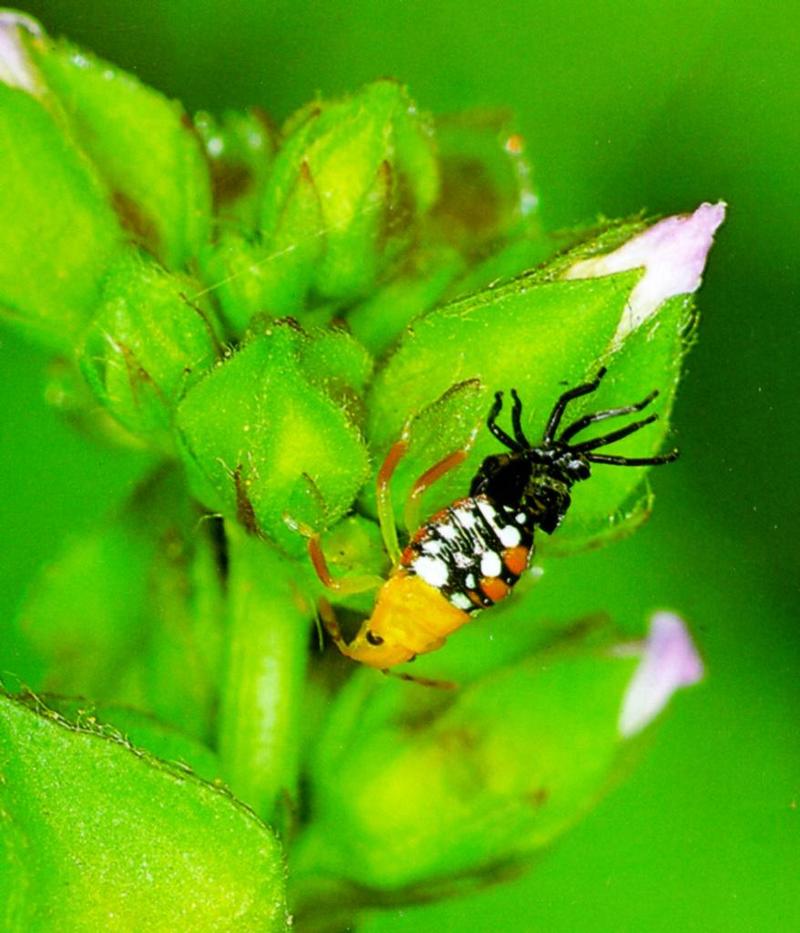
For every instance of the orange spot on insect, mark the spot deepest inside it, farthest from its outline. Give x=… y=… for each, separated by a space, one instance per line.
x=475 y=598
x=516 y=559
x=494 y=588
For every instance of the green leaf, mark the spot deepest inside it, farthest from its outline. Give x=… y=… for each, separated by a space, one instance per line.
x=140 y=730
x=264 y=435
x=108 y=835
x=143 y=146
x=58 y=234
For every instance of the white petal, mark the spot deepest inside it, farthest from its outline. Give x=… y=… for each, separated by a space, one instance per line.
x=15 y=67
x=673 y=254
x=669 y=661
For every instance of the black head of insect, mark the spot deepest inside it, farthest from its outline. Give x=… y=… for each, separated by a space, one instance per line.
x=539 y=479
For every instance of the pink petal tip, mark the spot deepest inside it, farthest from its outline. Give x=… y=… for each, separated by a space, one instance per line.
x=673 y=254
x=670 y=661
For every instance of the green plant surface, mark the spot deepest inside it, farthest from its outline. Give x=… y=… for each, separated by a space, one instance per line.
x=158 y=847
x=157 y=506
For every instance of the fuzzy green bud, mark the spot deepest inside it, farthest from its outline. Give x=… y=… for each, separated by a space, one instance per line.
x=270 y=433
x=145 y=347
x=347 y=187
x=142 y=145
x=58 y=231
x=413 y=792
x=239 y=148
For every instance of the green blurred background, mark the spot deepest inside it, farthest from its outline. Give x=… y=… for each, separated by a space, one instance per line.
x=623 y=106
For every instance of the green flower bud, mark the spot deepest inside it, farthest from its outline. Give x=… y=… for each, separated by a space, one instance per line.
x=486 y=189
x=146 y=345
x=59 y=233
x=345 y=192
x=142 y=145
x=413 y=792
x=553 y=328
x=270 y=432
x=239 y=148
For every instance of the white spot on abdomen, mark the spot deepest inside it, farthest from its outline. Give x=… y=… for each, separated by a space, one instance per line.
x=465 y=518
x=490 y=564
x=509 y=535
x=460 y=601
x=432 y=570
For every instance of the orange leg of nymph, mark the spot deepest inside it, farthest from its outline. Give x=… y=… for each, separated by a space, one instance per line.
x=346 y=586
x=331 y=624
x=383 y=498
x=428 y=478
x=422 y=681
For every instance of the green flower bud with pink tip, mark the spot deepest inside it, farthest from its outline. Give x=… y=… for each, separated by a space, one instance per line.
x=413 y=792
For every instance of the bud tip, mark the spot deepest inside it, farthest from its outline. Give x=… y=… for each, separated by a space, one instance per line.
x=669 y=661
x=673 y=254
x=15 y=67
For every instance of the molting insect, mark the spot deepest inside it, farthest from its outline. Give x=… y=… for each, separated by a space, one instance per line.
x=470 y=555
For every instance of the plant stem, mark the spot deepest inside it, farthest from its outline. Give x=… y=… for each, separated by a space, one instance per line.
x=263 y=674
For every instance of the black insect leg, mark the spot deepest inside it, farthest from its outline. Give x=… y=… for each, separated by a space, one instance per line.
x=633 y=461
x=558 y=410
x=596 y=442
x=516 y=423
x=491 y=424
x=577 y=426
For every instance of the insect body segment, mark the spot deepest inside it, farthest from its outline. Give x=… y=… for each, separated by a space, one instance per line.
x=473 y=552
x=470 y=555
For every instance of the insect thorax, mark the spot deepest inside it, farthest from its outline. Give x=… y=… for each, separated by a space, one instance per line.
x=537 y=480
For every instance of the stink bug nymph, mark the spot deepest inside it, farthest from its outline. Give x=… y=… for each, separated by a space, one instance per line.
x=470 y=554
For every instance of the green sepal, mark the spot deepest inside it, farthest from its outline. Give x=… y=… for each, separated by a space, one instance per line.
x=142 y=144
x=147 y=344
x=379 y=320
x=417 y=792
x=59 y=233
x=266 y=434
x=101 y=830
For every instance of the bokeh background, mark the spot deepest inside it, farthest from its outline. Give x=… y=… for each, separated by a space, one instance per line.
x=623 y=106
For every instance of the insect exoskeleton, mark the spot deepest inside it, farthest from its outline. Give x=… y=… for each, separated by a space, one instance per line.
x=471 y=554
